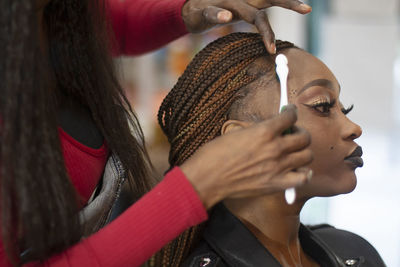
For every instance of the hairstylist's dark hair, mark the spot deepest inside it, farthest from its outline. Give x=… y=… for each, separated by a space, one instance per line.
x=38 y=203
x=194 y=111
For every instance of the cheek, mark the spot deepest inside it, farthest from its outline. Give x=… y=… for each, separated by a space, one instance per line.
x=325 y=155
x=324 y=142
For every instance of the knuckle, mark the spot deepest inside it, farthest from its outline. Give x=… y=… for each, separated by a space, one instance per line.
x=266 y=132
x=260 y=14
x=206 y=13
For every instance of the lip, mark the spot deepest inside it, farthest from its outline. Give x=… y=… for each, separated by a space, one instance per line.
x=355 y=157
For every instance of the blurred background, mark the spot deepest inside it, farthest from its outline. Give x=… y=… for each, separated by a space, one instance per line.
x=359 y=41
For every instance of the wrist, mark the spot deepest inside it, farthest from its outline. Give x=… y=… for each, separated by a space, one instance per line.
x=204 y=183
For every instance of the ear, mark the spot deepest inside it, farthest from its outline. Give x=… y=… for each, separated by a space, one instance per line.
x=233 y=125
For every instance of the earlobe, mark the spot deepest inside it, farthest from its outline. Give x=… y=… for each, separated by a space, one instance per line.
x=233 y=125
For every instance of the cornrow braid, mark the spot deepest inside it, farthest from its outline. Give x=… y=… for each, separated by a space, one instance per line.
x=195 y=109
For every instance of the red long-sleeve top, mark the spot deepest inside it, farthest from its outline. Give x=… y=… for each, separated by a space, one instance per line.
x=144 y=25
x=173 y=205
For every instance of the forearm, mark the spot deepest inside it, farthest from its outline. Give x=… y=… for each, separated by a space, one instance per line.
x=141 y=26
x=148 y=225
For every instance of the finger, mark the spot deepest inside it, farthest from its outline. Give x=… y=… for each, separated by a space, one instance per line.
x=293 y=179
x=241 y=10
x=283 y=121
x=257 y=17
x=296 y=141
x=215 y=15
x=308 y=171
x=264 y=27
x=296 y=160
x=294 y=5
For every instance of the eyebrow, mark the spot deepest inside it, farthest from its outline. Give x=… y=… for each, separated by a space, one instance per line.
x=319 y=82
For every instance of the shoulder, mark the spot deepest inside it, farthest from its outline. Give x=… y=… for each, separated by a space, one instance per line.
x=347 y=244
x=205 y=256
x=341 y=239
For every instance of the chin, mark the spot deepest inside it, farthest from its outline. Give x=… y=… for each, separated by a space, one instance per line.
x=346 y=184
x=347 y=189
x=329 y=186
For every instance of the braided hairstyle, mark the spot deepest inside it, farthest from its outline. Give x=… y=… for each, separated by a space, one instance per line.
x=204 y=97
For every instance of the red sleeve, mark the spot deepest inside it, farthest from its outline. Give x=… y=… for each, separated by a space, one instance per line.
x=144 y=25
x=157 y=218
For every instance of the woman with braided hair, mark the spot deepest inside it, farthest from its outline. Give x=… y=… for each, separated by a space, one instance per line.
x=230 y=85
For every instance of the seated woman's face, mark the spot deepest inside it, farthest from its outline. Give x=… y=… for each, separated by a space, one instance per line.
x=313 y=88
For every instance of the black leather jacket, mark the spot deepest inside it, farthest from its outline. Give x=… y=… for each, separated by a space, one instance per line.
x=227 y=242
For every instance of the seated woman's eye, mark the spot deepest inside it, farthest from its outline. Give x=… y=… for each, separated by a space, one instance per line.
x=324 y=108
x=347 y=110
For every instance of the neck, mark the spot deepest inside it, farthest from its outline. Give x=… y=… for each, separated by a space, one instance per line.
x=270 y=215
x=274 y=223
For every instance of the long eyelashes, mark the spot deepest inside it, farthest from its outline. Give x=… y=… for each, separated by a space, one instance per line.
x=347 y=110
x=322 y=107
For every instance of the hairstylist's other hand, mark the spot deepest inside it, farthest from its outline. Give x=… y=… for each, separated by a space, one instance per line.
x=200 y=15
x=253 y=161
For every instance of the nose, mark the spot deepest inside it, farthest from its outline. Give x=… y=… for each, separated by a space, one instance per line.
x=351 y=130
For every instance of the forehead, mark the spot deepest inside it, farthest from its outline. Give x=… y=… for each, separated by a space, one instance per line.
x=305 y=68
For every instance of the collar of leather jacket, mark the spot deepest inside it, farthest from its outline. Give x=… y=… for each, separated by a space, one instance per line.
x=229 y=241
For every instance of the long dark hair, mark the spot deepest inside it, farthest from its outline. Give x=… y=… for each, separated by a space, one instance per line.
x=205 y=96
x=38 y=202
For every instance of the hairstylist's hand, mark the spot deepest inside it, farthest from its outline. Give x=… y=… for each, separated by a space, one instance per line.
x=200 y=15
x=250 y=162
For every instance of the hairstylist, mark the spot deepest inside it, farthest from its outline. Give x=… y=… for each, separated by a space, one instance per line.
x=63 y=116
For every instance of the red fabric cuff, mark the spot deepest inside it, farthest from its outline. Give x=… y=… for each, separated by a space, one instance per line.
x=177 y=179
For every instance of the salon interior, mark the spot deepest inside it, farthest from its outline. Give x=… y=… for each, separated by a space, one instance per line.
x=360 y=41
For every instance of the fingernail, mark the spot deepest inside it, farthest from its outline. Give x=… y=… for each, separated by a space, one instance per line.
x=273 y=48
x=309 y=175
x=224 y=16
x=305 y=7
